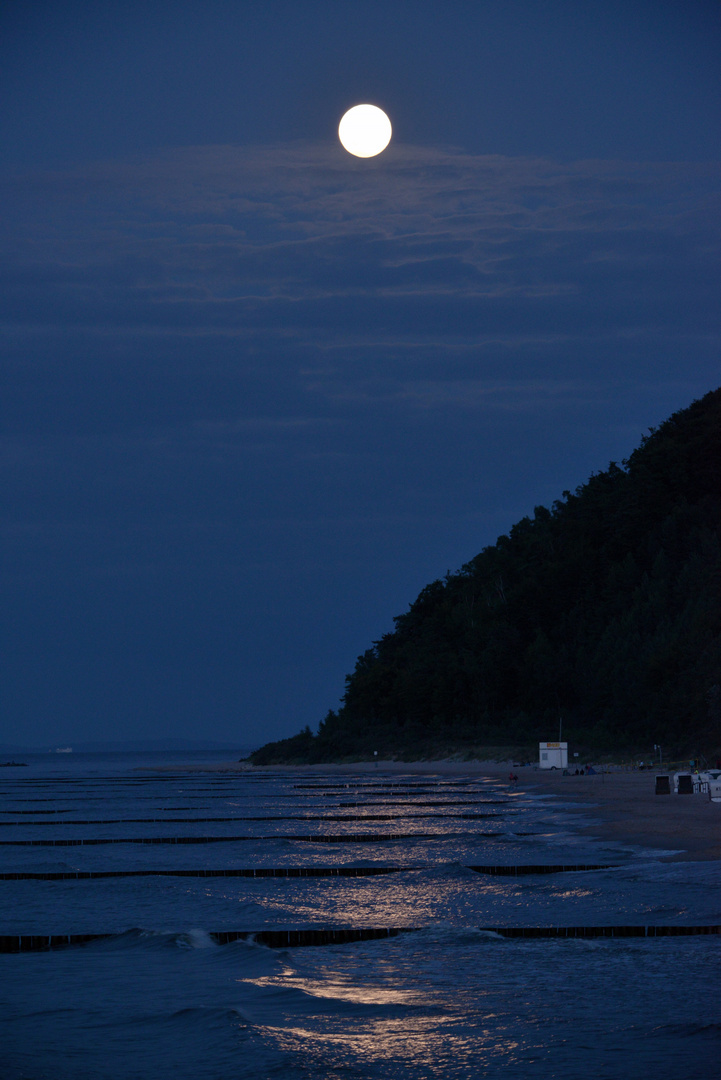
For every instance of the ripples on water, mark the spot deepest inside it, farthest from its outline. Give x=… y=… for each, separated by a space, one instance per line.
x=448 y=1000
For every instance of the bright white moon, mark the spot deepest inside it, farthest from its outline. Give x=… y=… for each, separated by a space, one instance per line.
x=364 y=131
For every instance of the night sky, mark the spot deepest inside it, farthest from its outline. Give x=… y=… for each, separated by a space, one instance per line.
x=256 y=393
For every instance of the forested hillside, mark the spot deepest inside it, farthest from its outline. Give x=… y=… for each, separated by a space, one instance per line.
x=605 y=609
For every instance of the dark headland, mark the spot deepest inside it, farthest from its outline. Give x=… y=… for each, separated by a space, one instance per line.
x=604 y=610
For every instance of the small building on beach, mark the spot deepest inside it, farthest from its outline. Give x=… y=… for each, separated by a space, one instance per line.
x=553 y=755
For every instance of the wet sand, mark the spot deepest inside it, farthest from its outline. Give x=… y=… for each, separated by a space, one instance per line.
x=621 y=806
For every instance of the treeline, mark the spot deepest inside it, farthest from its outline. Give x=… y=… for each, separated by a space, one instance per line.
x=605 y=609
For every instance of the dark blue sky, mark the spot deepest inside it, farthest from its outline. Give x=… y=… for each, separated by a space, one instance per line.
x=257 y=393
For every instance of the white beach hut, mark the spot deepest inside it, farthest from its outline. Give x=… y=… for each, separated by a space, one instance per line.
x=553 y=755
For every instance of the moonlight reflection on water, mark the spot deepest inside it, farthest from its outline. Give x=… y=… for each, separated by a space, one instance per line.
x=448 y=999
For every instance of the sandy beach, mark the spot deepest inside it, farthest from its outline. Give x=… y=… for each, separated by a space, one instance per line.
x=623 y=806
x=619 y=805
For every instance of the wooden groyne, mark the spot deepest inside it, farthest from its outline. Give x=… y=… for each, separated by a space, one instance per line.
x=253 y=872
x=239 y=817
x=296 y=872
x=539 y=868
x=333 y=838
x=600 y=931
x=288 y=939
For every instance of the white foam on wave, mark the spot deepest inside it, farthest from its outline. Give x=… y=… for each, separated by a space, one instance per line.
x=197 y=939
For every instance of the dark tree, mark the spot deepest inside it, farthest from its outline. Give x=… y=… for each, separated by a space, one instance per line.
x=606 y=607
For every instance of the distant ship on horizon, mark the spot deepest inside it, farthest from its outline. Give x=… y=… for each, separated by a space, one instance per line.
x=62 y=750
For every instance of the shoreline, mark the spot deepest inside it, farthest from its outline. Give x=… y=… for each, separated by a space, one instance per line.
x=619 y=806
x=625 y=807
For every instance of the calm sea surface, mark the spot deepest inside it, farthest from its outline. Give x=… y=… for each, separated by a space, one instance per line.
x=160 y=997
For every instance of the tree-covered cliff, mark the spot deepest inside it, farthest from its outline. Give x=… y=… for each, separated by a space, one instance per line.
x=605 y=608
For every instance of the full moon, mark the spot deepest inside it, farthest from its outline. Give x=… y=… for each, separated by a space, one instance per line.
x=364 y=131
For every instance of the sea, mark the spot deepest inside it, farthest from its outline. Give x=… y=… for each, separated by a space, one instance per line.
x=413 y=926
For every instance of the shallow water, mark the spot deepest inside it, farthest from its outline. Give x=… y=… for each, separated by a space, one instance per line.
x=451 y=999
